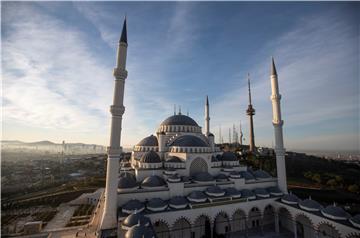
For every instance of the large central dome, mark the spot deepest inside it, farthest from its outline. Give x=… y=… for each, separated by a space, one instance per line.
x=179 y=119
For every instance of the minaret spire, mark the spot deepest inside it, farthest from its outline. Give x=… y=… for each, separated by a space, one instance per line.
x=241 y=134
x=207 y=117
x=251 y=112
x=109 y=218
x=278 y=123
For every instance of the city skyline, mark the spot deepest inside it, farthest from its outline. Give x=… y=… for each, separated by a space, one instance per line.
x=58 y=72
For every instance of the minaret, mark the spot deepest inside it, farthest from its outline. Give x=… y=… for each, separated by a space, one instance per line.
x=240 y=134
x=207 y=117
x=251 y=112
x=278 y=123
x=109 y=219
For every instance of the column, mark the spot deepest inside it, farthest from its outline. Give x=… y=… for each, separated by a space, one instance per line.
x=276 y=222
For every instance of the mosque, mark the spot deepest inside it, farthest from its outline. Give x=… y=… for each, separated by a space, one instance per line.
x=178 y=183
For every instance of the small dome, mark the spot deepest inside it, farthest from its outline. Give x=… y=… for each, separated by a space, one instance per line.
x=135 y=219
x=246 y=193
x=247 y=175
x=310 y=205
x=148 y=141
x=275 y=191
x=290 y=199
x=127 y=175
x=235 y=175
x=126 y=182
x=153 y=181
x=261 y=193
x=197 y=196
x=261 y=174
x=211 y=134
x=179 y=120
x=150 y=157
x=139 y=232
x=229 y=156
x=233 y=192
x=174 y=159
x=203 y=177
x=215 y=191
x=156 y=204
x=133 y=206
x=355 y=221
x=185 y=179
x=174 y=178
x=335 y=213
x=221 y=177
x=189 y=141
x=178 y=202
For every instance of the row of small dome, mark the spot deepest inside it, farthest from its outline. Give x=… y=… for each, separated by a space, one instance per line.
x=153 y=157
x=332 y=211
x=180 y=141
x=213 y=192
x=127 y=180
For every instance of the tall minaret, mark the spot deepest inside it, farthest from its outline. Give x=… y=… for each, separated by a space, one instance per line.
x=207 y=117
x=109 y=219
x=240 y=134
x=278 y=123
x=251 y=112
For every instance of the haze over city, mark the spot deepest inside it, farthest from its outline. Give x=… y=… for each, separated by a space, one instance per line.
x=57 y=74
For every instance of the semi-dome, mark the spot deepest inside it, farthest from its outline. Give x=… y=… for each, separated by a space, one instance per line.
x=156 y=204
x=153 y=181
x=355 y=221
x=148 y=141
x=261 y=174
x=215 y=191
x=197 y=196
x=189 y=141
x=178 y=202
x=310 y=205
x=233 y=192
x=135 y=219
x=174 y=159
x=150 y=157
x=126 y=182
x=133 y=206
x=139 y=231
x=228 y=156
x=203 y=177
x=247 y=193
x=179 y=119
x=290 y=199
x=335 y=213
x=261 y=193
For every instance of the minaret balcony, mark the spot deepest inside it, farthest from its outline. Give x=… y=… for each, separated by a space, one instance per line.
x=275 y=97
x=117 y=110
x=120 y=73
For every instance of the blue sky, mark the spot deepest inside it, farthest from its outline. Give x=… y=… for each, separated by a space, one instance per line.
x=57 y=60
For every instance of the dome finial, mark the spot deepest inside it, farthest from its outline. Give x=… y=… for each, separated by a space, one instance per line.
x=179 y=110
x=174 y=109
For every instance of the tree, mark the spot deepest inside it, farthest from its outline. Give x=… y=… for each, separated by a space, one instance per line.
x=353 y=188
x=331 y=183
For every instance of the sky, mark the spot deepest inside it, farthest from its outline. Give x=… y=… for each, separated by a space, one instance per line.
x=58 y=57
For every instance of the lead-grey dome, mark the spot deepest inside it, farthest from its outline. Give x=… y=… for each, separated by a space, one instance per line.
x=174 y=159
x=203 y=177
x=247 y=175
x=126 y=182
x=195 y=196
x=310 y=205
x=215 y=191
x=334 y=212
x=261 y=174
x=132 y=206
x=148 y=141
x=135 y=219
x=153 y=181
x=150 y=157
x=178 y=202
x=189 y=141
x=181 y=120
x=156 y=203
x=233 y=192
x=261 y=192
x=139 y=232
x=247 y=193
x=290 y=199
x=228 y=156
x=355 y=220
